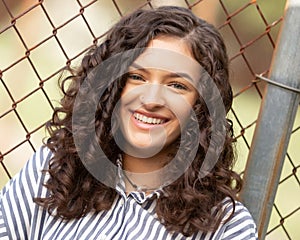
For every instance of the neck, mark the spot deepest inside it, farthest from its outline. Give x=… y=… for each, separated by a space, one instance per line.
x=147 y=172
x=143 y=173
x=144 y=165
x=144 y=161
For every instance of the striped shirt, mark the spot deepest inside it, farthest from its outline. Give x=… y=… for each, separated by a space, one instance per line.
x=131 y=216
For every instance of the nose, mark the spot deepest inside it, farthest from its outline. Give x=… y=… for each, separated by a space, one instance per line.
x=153 y=95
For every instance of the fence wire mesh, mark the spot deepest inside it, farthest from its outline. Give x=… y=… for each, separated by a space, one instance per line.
x=39 y=39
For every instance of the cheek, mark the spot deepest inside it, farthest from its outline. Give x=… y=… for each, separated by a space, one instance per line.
x=124 y=90
x=181 y=111
x=125 y=101
x=183 y=105
x=128 y=95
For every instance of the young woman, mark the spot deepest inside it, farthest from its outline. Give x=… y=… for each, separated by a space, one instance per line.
x=140 y=147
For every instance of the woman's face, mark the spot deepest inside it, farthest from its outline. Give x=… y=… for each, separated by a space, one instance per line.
x=159 y=95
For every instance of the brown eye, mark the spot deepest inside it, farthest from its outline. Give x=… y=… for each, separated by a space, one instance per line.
x=178 y=85
x=135 y=77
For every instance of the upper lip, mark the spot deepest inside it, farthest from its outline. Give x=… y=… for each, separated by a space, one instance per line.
x=152 y=115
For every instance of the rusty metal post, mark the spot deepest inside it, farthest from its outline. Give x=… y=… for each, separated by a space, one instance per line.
x=275 y=122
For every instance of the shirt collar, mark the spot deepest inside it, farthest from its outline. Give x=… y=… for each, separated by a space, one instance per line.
x=139 y=196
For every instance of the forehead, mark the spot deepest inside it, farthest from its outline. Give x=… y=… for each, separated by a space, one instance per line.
x=170 y=54
x=171 y=43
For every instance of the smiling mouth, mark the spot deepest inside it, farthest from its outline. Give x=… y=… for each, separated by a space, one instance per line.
x=148 y=120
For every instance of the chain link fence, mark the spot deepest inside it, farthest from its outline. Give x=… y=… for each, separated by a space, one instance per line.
x=39 y=39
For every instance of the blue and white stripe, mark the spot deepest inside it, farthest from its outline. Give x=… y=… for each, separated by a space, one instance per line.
x=130 y=217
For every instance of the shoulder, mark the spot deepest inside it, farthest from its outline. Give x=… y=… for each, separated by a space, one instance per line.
x=17 y=208
x=32 y=171
x=238 y=222
x=38 y=162
x=42 y=157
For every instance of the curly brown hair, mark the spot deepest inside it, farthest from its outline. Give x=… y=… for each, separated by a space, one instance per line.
x=187 y=203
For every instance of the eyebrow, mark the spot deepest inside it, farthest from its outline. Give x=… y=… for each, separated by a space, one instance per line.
x=171 y=74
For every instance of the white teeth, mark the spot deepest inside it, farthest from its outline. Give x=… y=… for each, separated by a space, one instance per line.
x=149 y=120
